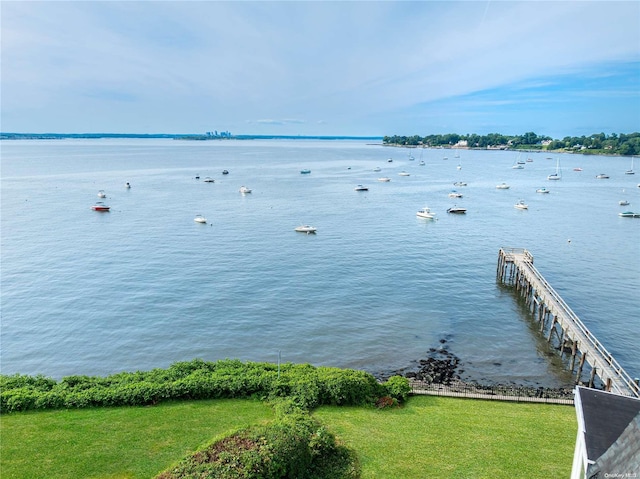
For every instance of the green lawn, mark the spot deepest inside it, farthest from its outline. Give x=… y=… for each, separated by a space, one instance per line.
x=430 y=437
x=434 y=437
x=127 y=442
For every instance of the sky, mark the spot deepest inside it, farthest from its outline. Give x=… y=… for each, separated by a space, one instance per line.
x=352 y=68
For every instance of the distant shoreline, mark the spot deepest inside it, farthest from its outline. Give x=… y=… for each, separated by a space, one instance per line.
x=172 y=136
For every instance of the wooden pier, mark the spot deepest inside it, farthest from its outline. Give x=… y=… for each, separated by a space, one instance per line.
x=560 y=324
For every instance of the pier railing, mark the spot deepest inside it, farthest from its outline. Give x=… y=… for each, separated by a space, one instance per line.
x=597 y=355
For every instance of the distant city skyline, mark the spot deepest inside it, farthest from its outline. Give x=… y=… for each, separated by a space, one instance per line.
x=321 y=68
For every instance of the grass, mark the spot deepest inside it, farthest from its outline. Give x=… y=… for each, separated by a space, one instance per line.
x=433 y=437
x=127 y=442
x=430 y=437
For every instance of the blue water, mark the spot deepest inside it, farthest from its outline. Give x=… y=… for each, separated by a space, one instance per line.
x=143 y=285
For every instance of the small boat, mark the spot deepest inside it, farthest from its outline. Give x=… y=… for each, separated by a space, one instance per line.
x=390 y=160
x=542 y=190
x=602 y=176
x=305 y=172
x=529 y=160
x=426 y=213
x=100 y=206
x=200 y=219
x=127 y=185
x=629 y=214
x=377 y=169
x=244 y=190
x=306 y=229
x=457 y=210
x=521 y=205
x=102 y=194
x=384 y=179
x=460 y=183
x=197 y=177
x=630 y=172
x=577 y=169
x=556 y=175
x=623 y=203
x=404 y=173
x=503 y=186
x=225 y=172
x=421 y=163
x=455 y=194
x=459 y=167
x=361 y=188
x=518 y=166
x=208 y=179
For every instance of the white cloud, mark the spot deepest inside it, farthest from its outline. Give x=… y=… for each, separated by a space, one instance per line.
x=182 y=65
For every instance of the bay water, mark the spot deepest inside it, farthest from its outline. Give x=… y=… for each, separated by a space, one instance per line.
x=143 y=285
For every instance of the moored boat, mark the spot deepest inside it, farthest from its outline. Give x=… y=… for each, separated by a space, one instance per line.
x=426 y=213
x=308 y=229
x=361 y=188
x=244 y=190
x=457 y=210
x=200 y=219
x=100 y=206
x=521 y=205
x=503 y=186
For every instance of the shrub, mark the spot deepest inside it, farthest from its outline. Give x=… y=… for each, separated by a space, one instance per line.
x=397 y=387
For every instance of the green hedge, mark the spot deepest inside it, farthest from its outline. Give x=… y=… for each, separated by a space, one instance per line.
x=309 y=386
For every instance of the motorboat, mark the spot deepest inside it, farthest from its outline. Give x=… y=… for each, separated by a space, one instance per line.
x=404 y=173
x=602 y=176
x=521 y=205
x=577 y=169
x=200 y=219
x=384 y=179
x=127 y=185
x=102 y=194
x=208 y=179
x=305 y=171
x=377 y=169
x=542 y=190
x=306 y=229
x=455 y=194
x=244 y=190
x=629 y=214
x=225 y=172
x=460 y=183
x=457 y=210
x=623 y=203
x=100 y=206
x=361 y=188
x=426 y=213
x=390 y=160
x=503 y=186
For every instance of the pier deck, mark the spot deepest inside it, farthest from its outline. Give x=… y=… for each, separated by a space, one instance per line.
x=557 y=320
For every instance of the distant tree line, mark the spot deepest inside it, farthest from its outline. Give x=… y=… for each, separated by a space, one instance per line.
x=599 y=143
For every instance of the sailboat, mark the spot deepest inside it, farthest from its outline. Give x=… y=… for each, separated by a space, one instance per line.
x=630 y=172
x=556 y=175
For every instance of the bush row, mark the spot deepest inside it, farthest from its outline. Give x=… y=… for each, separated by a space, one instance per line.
x=309 y=386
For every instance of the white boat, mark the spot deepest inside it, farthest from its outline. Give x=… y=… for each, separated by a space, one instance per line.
x=457 y=210
x=460 y=183
x=455 y=194
x=421 y=163
x=623 y=203
x=557 y=175
x=426 y=213
x=244 y=190
x=503 y=186
x=521 y=205
x=306 y=229
x=404 y=173
x=542 y=190
x=361 y=188
x=629 y=214
x=200 y=219
x=630 y=172
x=602 y=176
x=208 y=179
x=384 y=179
x=377 y=169
x=459 y=167
x=100 y=206
x=102 y=194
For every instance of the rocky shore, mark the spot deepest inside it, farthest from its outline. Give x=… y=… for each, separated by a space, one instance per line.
x=443 y=368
